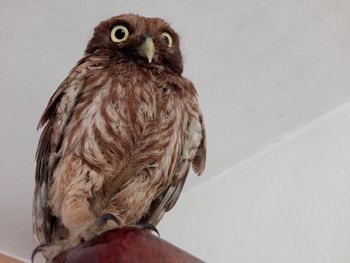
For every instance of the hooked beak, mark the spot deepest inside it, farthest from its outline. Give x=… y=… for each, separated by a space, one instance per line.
x=146 y=50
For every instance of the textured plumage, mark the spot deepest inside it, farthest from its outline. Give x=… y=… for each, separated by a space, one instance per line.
x=120 y=135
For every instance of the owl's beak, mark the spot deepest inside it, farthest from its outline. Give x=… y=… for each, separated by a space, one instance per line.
x=146 y=50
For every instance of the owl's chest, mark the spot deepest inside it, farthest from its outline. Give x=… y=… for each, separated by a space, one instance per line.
x=126 y=104
x=126 y=119
x=141 y=99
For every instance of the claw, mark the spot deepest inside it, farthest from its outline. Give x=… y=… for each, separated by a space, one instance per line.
x=149 y=227
x=105 y=217
x=37 y=250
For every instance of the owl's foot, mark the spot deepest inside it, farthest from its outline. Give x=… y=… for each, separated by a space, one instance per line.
x=37 y=250
x=149 y=227
x=51 y=250
x=105 y=217
x=102 y=224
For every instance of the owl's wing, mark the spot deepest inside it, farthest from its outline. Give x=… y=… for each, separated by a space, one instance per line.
x=199 y=160
x=195 y=129
x=56 y=116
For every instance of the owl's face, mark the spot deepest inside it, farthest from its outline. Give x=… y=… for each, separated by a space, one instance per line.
x=146 y=41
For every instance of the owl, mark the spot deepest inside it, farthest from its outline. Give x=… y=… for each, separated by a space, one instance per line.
x=119 y=136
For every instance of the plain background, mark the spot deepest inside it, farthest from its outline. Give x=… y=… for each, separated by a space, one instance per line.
x=268 y=73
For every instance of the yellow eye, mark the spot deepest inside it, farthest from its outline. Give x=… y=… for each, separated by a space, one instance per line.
x=166 y=37
x=119 y=34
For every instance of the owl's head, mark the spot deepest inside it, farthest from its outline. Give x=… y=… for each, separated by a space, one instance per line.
x=147 y=41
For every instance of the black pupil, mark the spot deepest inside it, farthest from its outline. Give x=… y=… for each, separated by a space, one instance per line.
x=166 y=39
x=120 y=33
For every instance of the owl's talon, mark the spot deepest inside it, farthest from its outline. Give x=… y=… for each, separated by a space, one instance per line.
x=51 y=250
x=102 y=224
x=105 y=217
x=37 y=250
x=149 y=227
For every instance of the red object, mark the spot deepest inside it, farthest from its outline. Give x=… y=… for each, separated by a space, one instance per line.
x=127 y=244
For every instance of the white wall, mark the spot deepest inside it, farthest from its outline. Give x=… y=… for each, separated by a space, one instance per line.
x=289 y=203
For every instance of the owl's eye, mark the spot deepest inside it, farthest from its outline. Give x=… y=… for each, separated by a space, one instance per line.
x=166 y=37
x=119 y=34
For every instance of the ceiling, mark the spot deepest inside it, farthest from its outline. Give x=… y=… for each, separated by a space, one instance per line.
x=262 y=70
